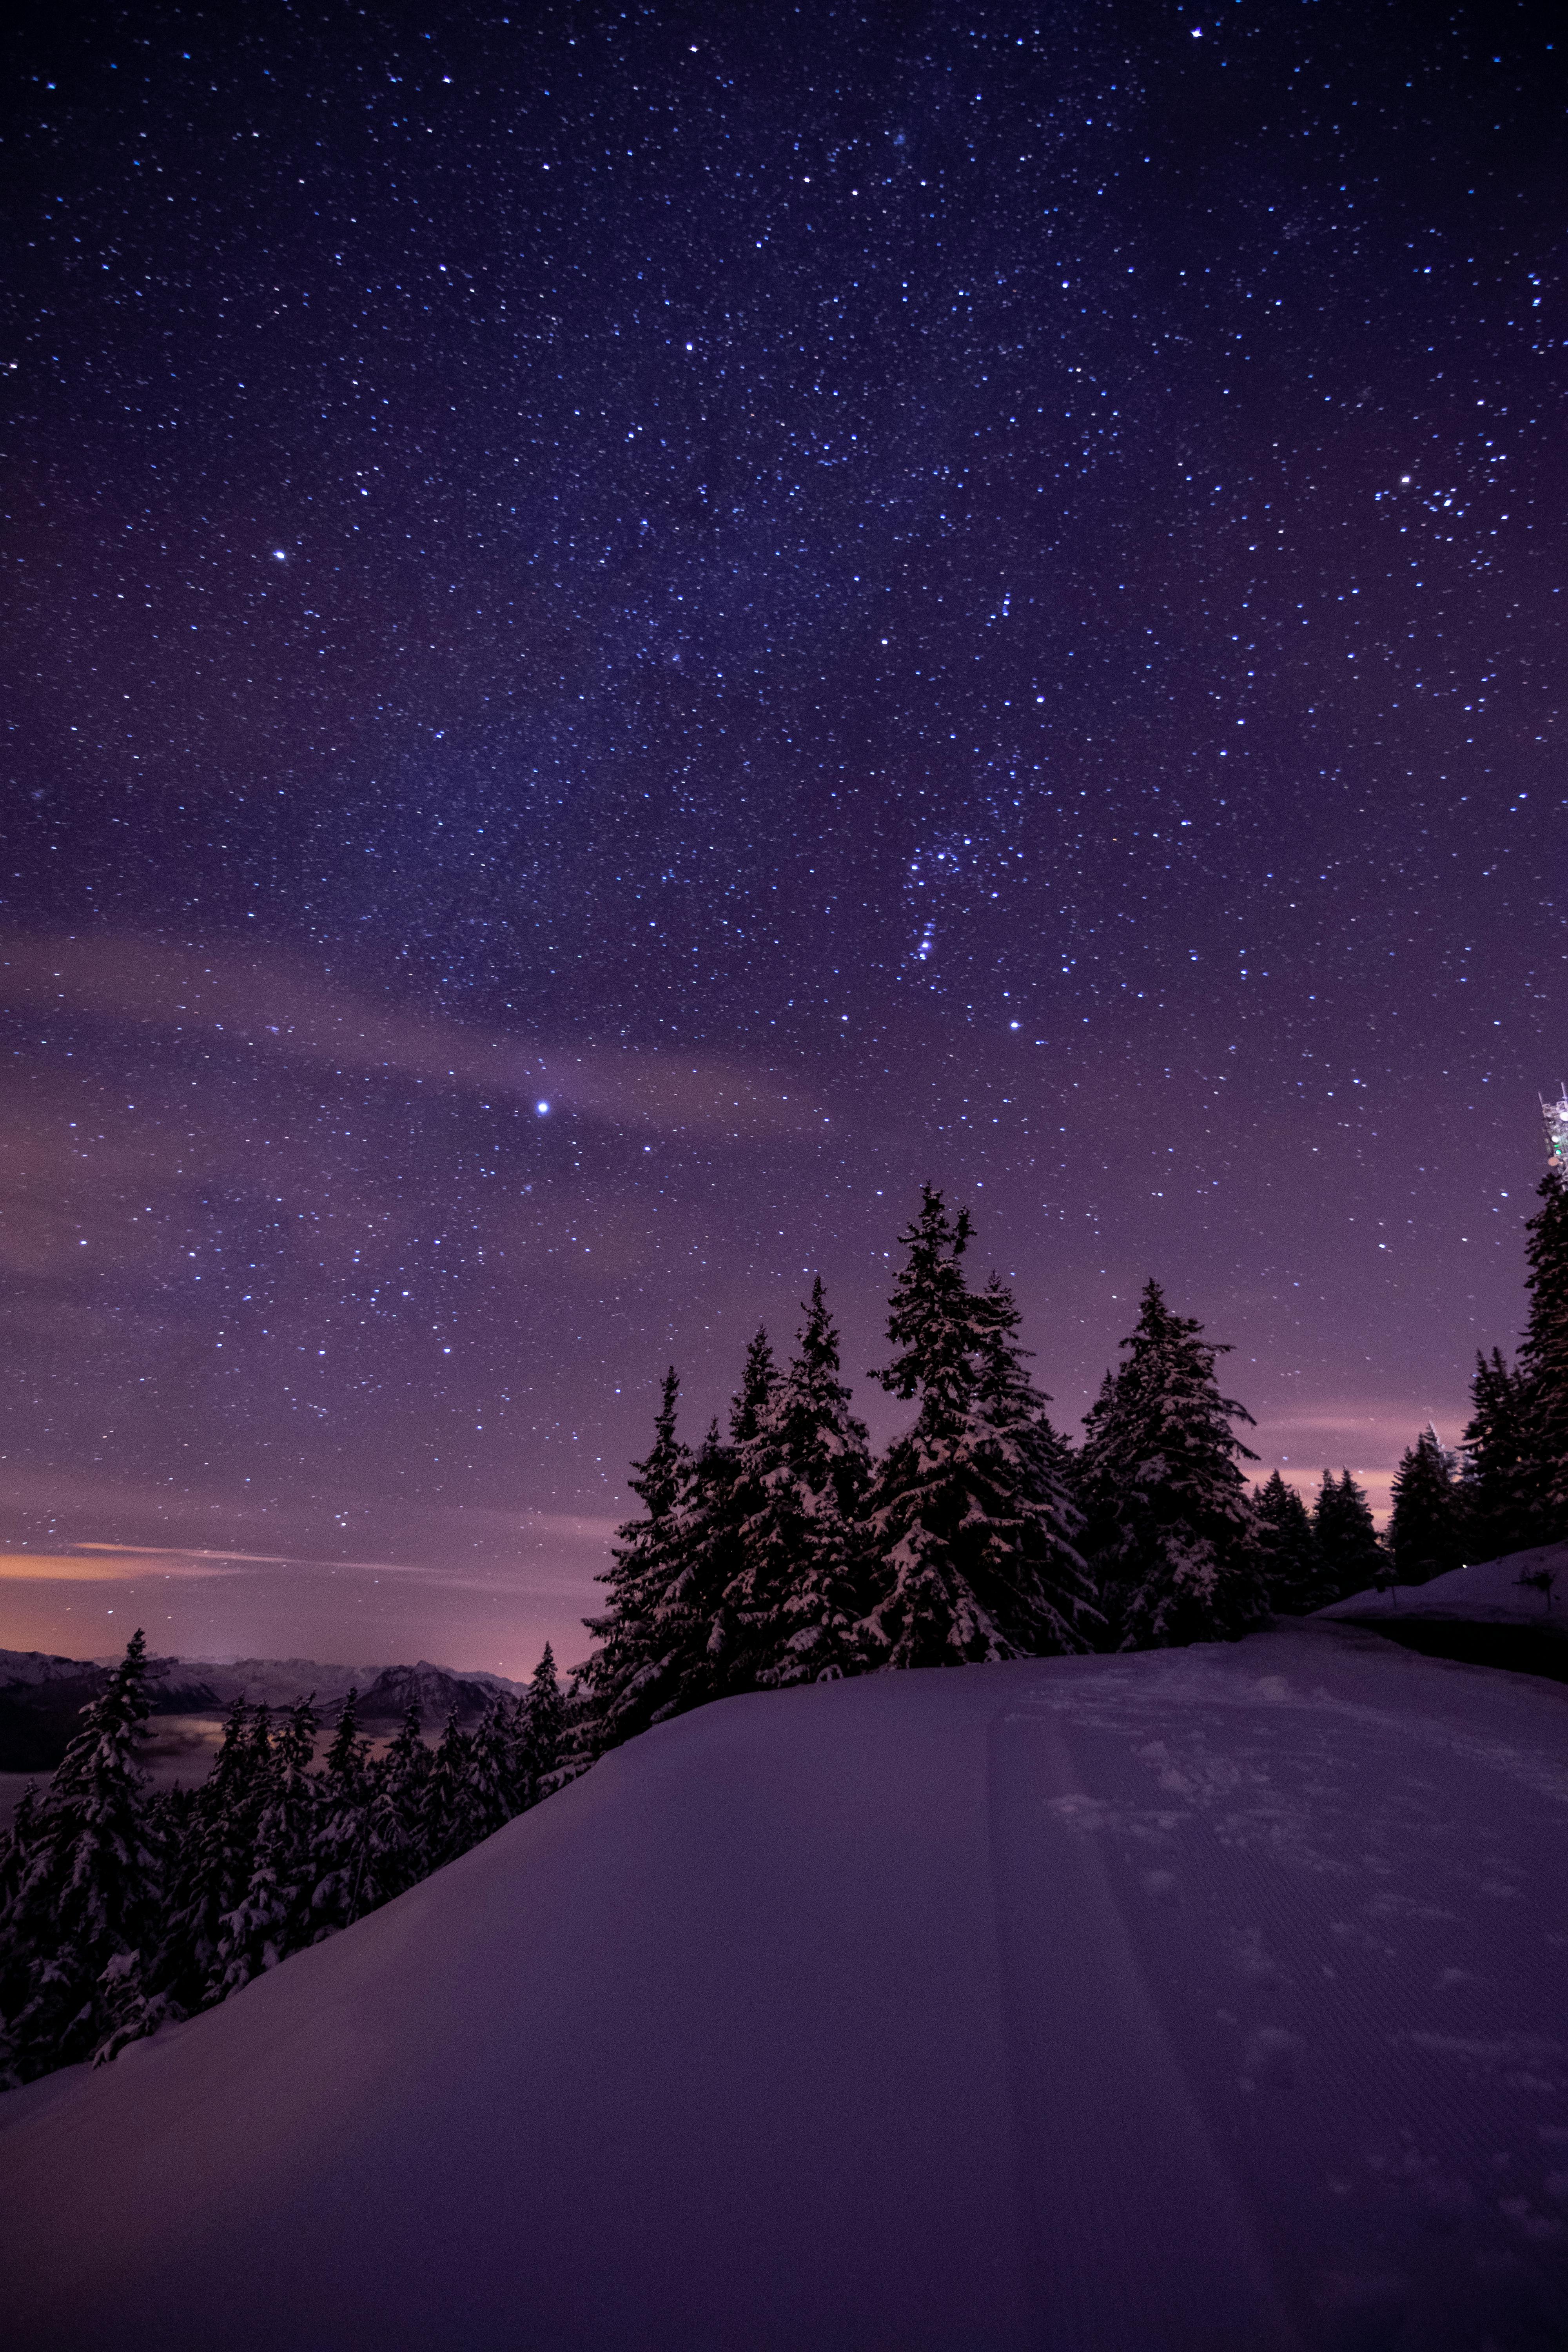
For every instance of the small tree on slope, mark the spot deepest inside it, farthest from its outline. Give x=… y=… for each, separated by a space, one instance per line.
x=85 y=1888
x=617 y=1688
x=967 y=1526
x=1168 y=1507
x=541 y=1732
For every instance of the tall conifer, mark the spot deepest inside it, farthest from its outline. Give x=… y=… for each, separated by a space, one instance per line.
x=619 y=1688
x=541 y=1730
x=274 y=1915
x=1168 y=1517
x=1543 y=1363
x=1289 y=1568
x=1425 y=1533
x=1348 y=1547
x=339 y=1894
x=1494 y=1503
x=797 y=1597
x=968 y=1532
x=85 y=1888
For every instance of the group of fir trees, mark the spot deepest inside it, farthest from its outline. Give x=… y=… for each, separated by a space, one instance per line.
x=781 y=1553
x=1509 y=1488
x=122 y=1909
x=778 y=1553
x=784 y=1553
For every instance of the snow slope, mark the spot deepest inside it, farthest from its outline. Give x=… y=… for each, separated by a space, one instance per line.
x=1488 y=1592
x=1197 y=2002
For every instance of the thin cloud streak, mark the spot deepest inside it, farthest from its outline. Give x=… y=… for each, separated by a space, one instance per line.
x=59 y=1567
x=267 y=1005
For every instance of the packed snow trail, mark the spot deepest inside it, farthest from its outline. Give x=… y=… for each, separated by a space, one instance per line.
x=1209 y=2000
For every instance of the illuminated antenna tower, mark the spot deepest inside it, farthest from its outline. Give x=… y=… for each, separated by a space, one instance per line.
x=1555 y=1116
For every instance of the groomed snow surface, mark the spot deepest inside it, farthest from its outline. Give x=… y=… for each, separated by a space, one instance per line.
x=1206 y=2001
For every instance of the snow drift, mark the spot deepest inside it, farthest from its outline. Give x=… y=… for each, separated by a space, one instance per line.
x=1207 y=1999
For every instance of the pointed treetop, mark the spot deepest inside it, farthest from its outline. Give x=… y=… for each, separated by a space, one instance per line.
x=748 y=1409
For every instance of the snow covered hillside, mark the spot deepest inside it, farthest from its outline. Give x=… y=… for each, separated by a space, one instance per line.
x=1201 y=2000
x=1490 y=1591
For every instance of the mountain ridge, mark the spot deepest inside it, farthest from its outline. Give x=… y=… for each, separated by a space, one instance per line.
x=42 y=1694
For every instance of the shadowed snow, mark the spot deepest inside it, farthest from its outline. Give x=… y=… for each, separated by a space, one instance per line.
x=1207 y=1999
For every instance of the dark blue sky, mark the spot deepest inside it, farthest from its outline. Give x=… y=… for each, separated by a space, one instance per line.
x=839 y=594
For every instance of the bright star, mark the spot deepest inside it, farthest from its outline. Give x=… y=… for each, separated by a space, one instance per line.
x=541 y=1107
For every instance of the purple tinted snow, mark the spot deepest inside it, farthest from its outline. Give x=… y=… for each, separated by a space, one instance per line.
x=1096 y=2006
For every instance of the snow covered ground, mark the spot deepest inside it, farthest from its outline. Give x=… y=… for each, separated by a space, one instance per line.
x=1489 y=1592
x=1196 y=2001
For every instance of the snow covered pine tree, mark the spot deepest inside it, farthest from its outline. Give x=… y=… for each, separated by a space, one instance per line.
x=619 y=1688
x=1167 y=1497
x=795 y=1600
x=84 y=1890
x=541 y=1733
x=968 y=1528
x=272 y=1917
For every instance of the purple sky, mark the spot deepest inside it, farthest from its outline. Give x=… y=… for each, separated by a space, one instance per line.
x=630 y=634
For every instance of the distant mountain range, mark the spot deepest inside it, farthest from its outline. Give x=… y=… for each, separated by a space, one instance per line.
x=42 y=1697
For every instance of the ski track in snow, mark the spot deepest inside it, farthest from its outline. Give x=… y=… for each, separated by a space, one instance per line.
x=1340 y=1934
x=1203 y=2001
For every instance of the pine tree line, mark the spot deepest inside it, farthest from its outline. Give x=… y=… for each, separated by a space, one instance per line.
x=122 y=1909
x=784 y=1553
x=1507 y=1488
x=776 y=1553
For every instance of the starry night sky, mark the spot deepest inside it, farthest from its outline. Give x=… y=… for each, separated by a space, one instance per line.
x=630 y=631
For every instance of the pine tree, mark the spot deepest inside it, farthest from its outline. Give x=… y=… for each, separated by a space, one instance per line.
x=443 y=1826
x=542 y=1727
x=694 y=1623
x=275 y=1914
x=486 y=1800
x=969 y=1532
x=1353 y=1558
x=1494 y=1504
x=1424 y=1536
x=1290 y=1570
x=795 y=1596
x=16 y=1955
x=1169 y=1519
x=710 y=1653
x=398 y=1828
x=339 y=1895
x=209 y=1870
x=85 y=1888
x=618 y=1685
x=1543 y=1364
x=1031 y=1525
